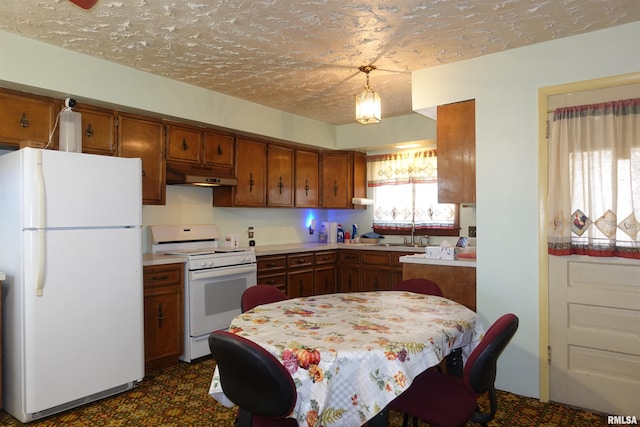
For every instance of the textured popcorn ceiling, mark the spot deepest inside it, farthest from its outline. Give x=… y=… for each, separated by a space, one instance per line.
x=302 y=56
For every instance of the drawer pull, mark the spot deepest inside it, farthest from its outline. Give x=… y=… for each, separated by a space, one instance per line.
x=24 y=122
x=163 y=277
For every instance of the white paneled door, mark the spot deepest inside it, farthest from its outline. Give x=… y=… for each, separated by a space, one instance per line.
x=594 y=322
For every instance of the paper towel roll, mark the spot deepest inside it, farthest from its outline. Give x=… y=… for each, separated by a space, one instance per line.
x=332 y=231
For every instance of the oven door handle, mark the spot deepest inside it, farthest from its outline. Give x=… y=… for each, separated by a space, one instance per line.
x=223 y=272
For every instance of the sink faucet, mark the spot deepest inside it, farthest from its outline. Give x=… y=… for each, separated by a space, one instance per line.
x=412 y=242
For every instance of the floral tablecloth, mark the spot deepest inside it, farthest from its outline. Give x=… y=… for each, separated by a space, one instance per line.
x=350 y=354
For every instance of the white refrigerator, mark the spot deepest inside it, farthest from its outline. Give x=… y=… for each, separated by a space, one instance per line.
x=70 y=245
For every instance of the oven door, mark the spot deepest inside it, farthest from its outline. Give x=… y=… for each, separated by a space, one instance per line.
x=214 y=296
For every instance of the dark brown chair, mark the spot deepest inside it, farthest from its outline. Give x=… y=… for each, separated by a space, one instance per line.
x=449 y=401
x=260 y=294
x=419 y=286
x=255 y=380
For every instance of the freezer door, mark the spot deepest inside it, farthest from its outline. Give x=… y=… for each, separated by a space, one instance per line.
x=80 y=190
x=85 y=334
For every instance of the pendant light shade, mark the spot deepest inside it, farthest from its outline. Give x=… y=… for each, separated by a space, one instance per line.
x=368 y=105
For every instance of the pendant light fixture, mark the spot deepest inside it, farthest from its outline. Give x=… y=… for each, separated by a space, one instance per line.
x=367 y=102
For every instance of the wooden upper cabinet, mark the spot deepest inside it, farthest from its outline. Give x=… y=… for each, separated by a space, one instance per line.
x=26 y=117
x=307 y=179
x=343 y=178
x=279 y=176
x=336 y=179
x=456 y=139
x=144 y=138
x=219 y=151
x=98 y=130
x=184 y=144
x=251 y=171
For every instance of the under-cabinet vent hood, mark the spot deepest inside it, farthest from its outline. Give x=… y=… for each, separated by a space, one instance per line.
x=199 y=177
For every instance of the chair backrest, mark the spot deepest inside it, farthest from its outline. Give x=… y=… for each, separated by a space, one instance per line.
x=251 y=377
x=419 y=286
x=480 y=370
x=260 y=294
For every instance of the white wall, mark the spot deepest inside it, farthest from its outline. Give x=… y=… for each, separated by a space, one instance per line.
x=505 y=87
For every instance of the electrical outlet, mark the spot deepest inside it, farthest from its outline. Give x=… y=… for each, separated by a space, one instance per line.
x=472 y=231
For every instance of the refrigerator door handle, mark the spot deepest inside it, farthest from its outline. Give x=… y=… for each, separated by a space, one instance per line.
x=39 y=183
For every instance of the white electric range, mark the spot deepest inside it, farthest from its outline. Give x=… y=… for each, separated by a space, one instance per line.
x=215 y=278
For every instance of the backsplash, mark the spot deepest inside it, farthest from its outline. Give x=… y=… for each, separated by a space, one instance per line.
x=272 y=226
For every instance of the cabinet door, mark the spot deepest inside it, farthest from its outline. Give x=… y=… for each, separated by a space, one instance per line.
x=218 y=151
x=163 y=315
x=456 y=134
x=144 y=138
x=184 y=144
x=25 y=118
x=349 y=278
x=307 y=172
x=279 y=176
x=336 y=178
x=325 y=280
x=300 y=283
x=251 y=164
x=163 y=323
x=98 y=130
x=376 y=279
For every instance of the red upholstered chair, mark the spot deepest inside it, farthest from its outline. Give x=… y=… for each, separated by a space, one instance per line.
x=255 y=380
x=260 y=294
x=419 y=286
x=449 y=401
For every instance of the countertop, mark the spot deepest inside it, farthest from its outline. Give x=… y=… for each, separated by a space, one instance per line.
x=159 y=259
x=421 y=259
x=417 y=258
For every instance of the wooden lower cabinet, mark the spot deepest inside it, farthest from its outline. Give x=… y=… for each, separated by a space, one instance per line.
x=325 y=272
x=349 y=271
x=457 y=283
x=272 y=270
x=163 y=315
x=300 y=274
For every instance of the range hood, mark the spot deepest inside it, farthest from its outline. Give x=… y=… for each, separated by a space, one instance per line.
x=198 y=177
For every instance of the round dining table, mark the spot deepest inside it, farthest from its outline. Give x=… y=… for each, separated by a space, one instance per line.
x=351 y=354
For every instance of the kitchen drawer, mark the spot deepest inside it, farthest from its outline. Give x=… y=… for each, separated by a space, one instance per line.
x=279 y=280
x=349 y=256
x=300 y=260
x=271 y=263
x=376 y=258
x=162 y=275
x=328 y=257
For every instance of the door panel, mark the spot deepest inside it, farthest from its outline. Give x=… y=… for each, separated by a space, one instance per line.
x=594 y=319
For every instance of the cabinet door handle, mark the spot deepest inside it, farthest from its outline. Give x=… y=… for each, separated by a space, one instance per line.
x=306 y=187
x=335 y=188
x=251 y=182
x=280 y=185
x=185 y=146
x=219 y=150
x=160 y=316
x=24 y=122
x=89 y=131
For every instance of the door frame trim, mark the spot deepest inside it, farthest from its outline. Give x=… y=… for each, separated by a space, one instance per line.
x=543 y=263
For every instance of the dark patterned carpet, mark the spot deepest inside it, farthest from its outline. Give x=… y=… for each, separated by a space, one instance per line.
x=178 y=397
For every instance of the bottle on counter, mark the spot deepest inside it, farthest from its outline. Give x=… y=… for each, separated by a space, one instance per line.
x=323 y=237
x=340 y=234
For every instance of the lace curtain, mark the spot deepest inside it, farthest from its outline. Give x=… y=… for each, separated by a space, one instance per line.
x=405 y=189
x=594 y=180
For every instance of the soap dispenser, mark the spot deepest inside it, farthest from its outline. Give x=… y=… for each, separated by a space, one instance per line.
x=354 y=231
